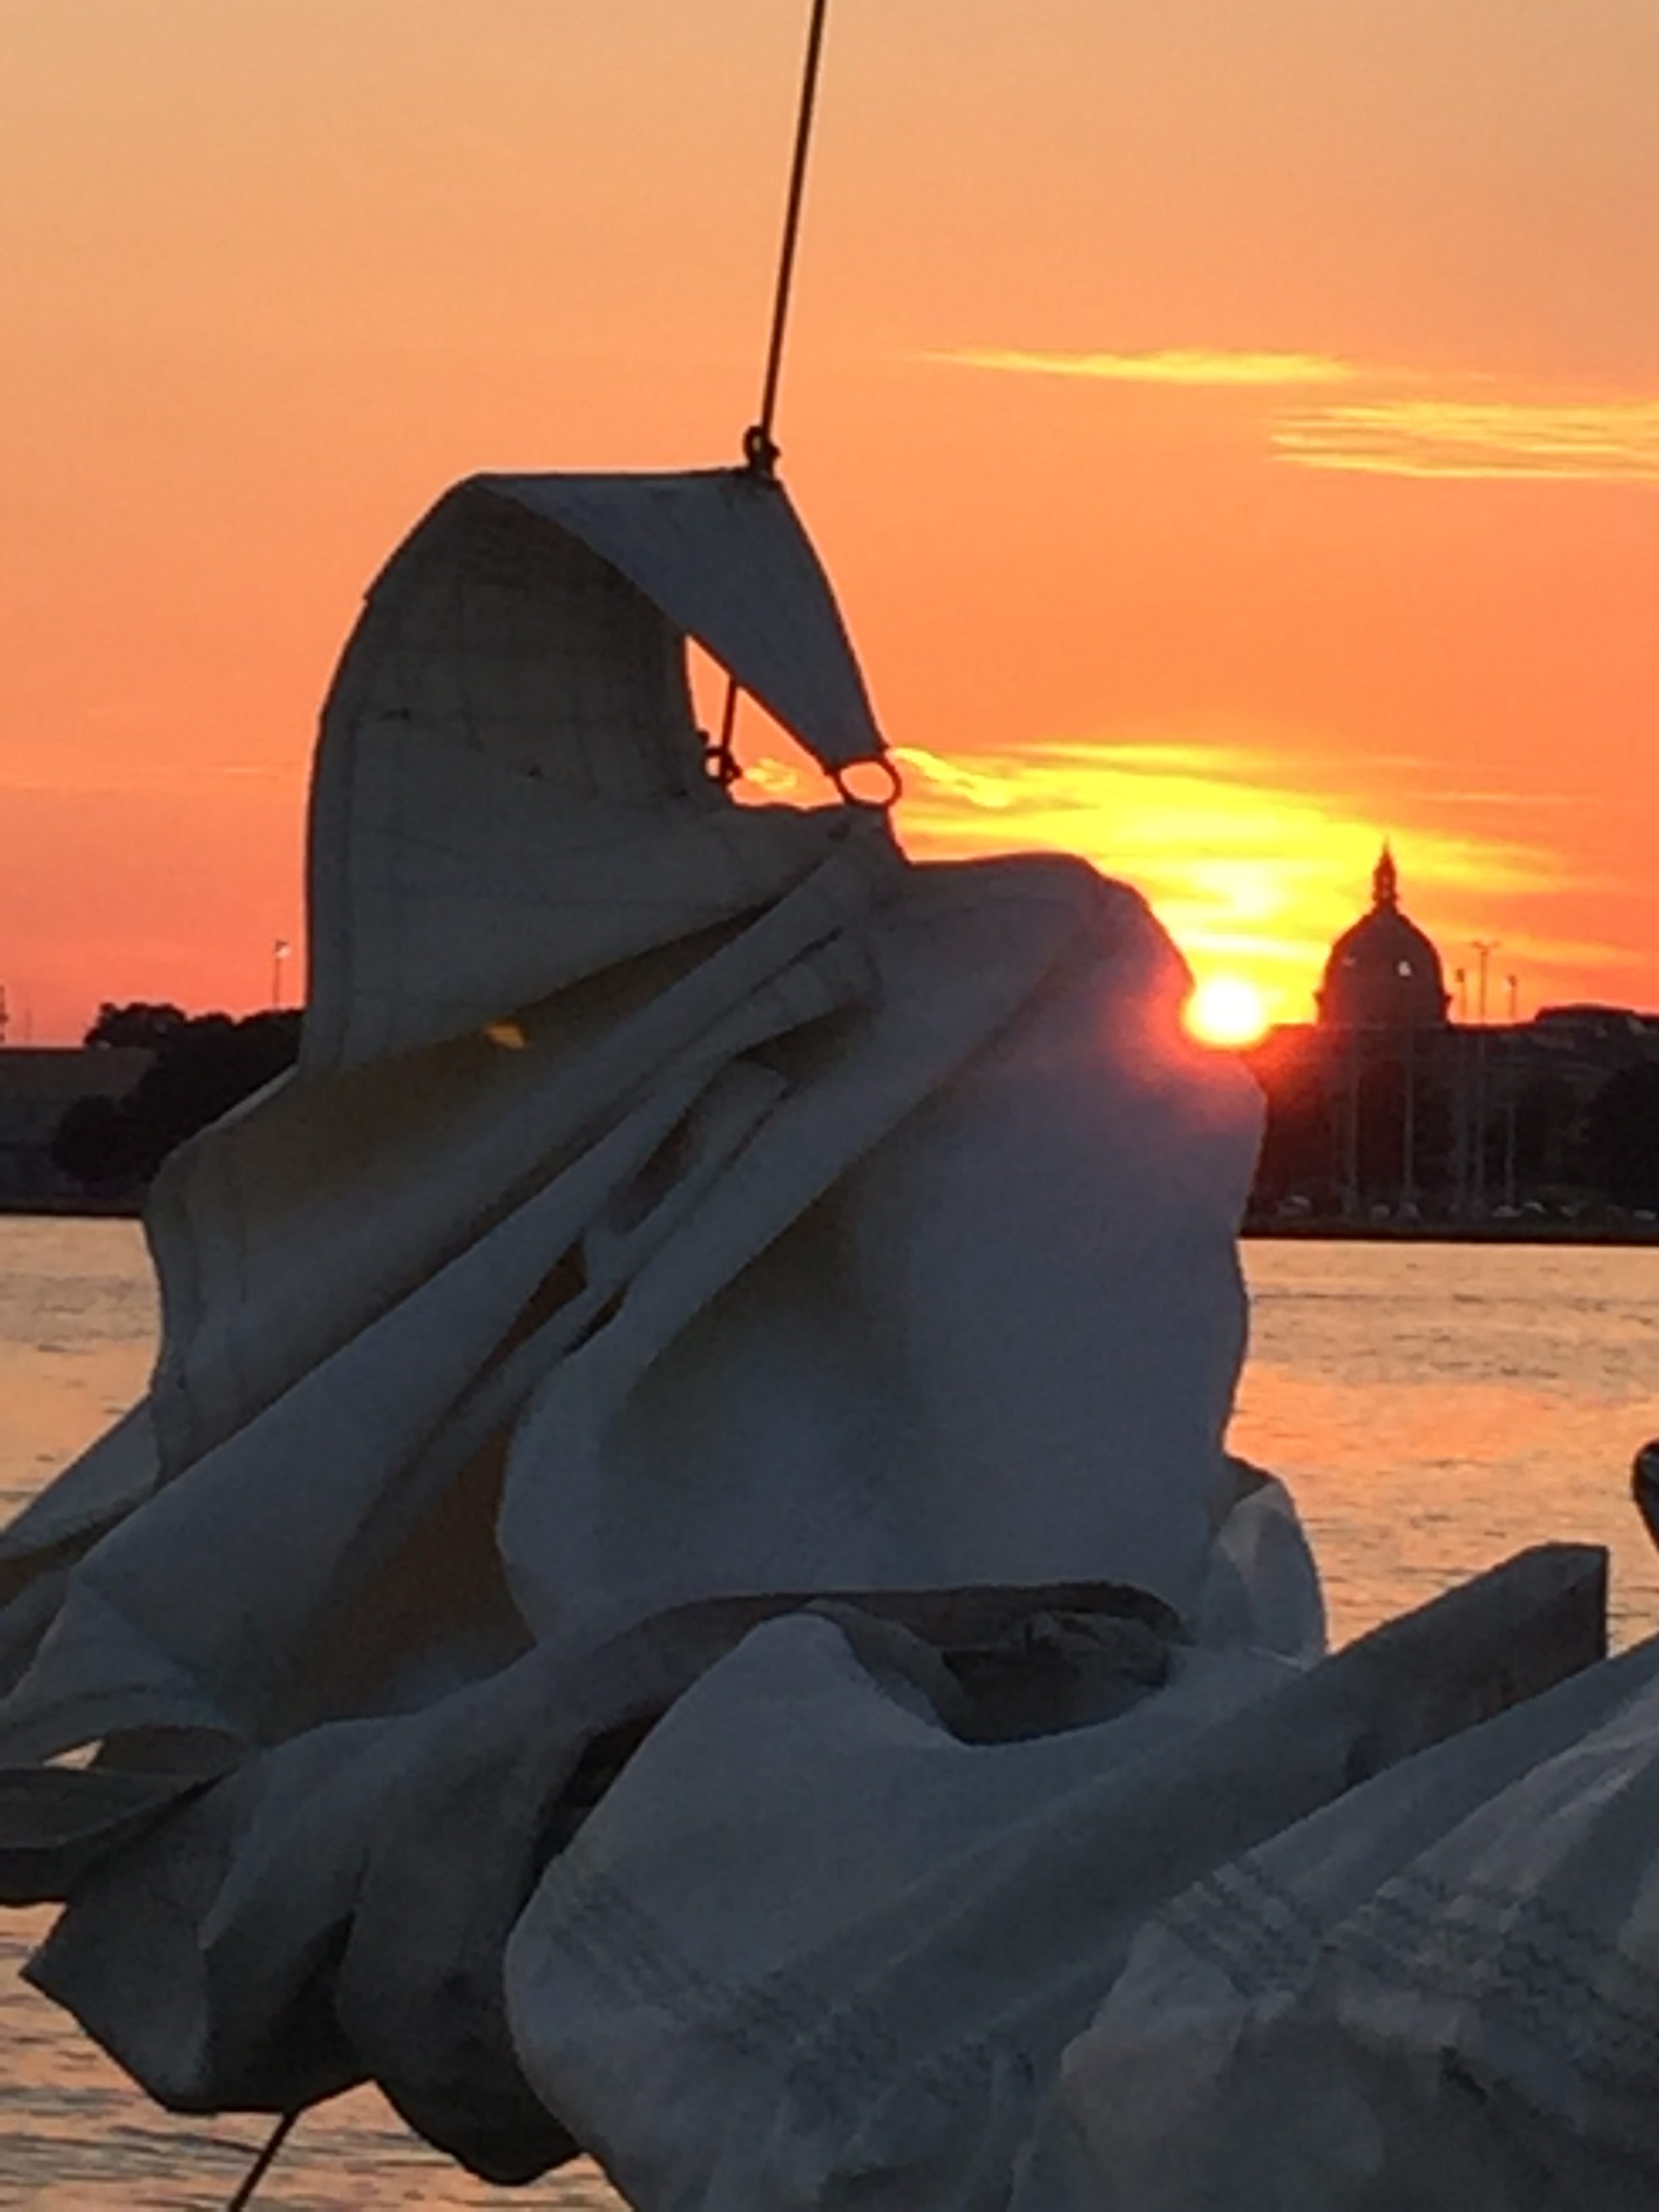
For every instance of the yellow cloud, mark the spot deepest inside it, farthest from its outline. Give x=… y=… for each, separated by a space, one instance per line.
x=1397 y=423
x=1583 y=440
x=1252 y=873
x=1196 y=366
x=976 y=787
x=767 y=778
x=1252 y=869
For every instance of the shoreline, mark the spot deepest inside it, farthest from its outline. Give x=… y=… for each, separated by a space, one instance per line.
x=1640 y=1236
x=1637 y=1236
x=72 y=1209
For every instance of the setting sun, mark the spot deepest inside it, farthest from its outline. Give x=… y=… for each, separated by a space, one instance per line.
x=1226 y=1010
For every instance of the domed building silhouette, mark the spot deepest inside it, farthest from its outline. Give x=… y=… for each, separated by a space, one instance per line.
x=1383 y=974
x=1384 y=1110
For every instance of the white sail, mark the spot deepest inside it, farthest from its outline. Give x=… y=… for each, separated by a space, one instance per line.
x=678 y=1582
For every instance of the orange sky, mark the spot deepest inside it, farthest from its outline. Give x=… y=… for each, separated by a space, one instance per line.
x=1234 y=431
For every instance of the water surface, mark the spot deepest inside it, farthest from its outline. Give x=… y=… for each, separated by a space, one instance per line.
x=1434 y=1409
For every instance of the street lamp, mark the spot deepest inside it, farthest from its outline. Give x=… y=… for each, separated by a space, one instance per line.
x=1483 y=948
x=280 y=950
x=1512 y=1104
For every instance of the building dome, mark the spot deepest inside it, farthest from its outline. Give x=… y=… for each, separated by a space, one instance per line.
x=1384 y=973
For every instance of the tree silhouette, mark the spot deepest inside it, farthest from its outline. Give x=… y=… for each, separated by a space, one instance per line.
x=141 y=1022
x=203 y=1065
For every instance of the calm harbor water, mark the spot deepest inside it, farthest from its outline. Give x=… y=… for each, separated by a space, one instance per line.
x=1434 y=1409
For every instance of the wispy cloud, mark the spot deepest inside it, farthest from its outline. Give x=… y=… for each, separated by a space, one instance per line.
x=1532 y=949
x=1199 y=367
x=1253 y=863
x=73 y=775
x=1250 y=868
x=1235 y=814
x=1580 y=441
x=1467 y=426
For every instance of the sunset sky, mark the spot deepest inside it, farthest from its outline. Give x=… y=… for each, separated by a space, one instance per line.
x=1233 y=429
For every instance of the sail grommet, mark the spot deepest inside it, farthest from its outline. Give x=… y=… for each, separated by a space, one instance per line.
x=881 y=802
x=720 y=763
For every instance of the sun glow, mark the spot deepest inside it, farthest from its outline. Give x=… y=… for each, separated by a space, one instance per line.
x=1226 y=1010
x=1254 y=862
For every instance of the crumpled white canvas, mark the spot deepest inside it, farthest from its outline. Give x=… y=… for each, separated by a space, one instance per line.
x=1442 y=1991
x=678 y=1584
x=820 y=1947
x=675 y=1203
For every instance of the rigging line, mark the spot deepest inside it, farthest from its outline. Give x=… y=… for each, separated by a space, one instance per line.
x=263 y=2164
x=760 y=451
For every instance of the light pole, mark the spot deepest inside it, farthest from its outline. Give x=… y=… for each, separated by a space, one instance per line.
x=280 y=950
x=1460 y=1096
x=1483 y=948
x=1512 y=1103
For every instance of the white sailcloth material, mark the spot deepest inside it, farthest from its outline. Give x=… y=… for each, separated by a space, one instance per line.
x=1440 y=1991
x=845 y=1976
x=510 y=793
x=680 y=1210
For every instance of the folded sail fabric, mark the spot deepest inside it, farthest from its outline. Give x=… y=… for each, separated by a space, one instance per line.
x=1440 y=1991
x=816 y=1949
x=678 y=1587
x=675 y=1203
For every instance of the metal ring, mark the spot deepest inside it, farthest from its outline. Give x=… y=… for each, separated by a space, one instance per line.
x=760 y=455
x=720 y=763
x=888 y=798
